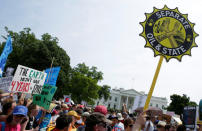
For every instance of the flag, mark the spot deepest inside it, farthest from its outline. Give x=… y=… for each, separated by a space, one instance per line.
x=4 y=55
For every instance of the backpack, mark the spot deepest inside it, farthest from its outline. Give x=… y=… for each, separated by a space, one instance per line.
x=2 y=126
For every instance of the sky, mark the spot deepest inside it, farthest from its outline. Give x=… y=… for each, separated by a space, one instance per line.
x=105 y=34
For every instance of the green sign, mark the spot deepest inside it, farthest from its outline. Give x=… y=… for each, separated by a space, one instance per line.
x=44 y=99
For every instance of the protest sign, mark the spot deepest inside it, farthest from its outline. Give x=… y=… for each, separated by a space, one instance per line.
x=27 y=80
x=4 y=55
x=67 y=99
x=5 y=83
x=52 y=75
x=189 y=116
x=44 y=99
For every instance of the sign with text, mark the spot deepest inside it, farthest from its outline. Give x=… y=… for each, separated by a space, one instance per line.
x=52 y=75
x=189 y=116
x=67 y=99
x=27 y=80
x=5 y=83
x=44 y=99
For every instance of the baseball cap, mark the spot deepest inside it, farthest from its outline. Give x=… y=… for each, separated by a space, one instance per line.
x=20 y=110
x=73 y=113
x=102 y=109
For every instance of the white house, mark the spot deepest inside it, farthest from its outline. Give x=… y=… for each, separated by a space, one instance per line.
x=120 y=96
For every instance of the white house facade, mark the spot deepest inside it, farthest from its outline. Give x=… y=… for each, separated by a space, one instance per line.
x=131 y=98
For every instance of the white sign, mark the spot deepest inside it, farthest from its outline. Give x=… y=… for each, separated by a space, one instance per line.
x=27 y=80
x=5 y=82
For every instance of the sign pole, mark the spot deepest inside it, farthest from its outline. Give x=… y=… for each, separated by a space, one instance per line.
x=50 y=69
x=153 y=83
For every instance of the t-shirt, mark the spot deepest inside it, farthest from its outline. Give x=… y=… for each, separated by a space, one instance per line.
x=31 y=123
x=117 y=127
x=13 y=128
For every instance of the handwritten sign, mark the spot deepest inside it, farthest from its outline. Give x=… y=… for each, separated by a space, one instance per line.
x=27 y=80
x=5 y=83
x=44 y=99
x=52 y=75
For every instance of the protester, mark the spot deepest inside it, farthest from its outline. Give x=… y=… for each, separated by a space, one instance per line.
x=75 y=117
x=96 y=122
x=16 y=121
x=32 y=113
x=63 y=123
x=128 y=124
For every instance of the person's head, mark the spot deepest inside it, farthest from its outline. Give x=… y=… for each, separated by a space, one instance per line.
x=84 y=116
x=128 y=124
x=181 y=128
x=64 y=107
x=161 y=126
x=125 y=115
x=96 y=122
x=74 y=115
x=173 y=127
x=33 y=110
x=8 y=106
x=63 y=122
x=114 y=120
x=101 y=109
x=167 y=127
x=19 y=113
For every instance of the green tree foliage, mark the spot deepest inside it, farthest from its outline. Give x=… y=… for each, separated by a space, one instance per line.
x=104 y=92
x=179 y=102
x=84 y=83
x=38 y=54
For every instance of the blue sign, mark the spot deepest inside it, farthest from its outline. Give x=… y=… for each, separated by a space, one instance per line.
x=4 y=55
x=52 y=75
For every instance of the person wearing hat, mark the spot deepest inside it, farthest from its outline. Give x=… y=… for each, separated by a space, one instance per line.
x=75 y=117
x=96 y=122
x=101 y=109
x=161 y=126
x=115 y=124
x=16 y=121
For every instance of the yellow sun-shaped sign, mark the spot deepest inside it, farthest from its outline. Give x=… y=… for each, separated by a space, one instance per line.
x=169 y=33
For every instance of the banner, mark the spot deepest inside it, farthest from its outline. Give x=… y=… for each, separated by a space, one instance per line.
x=6 y=51
x=189 y=116
x=52 y=75
x=44 y=99
x=5 y=83
x=27 y=80
x=67 y=99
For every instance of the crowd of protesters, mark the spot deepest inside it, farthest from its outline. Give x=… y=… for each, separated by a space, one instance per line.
x=23 y=115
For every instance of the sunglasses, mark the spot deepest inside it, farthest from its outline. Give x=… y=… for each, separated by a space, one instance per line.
x=130 y=126
x=19 y=115
x=102 y=124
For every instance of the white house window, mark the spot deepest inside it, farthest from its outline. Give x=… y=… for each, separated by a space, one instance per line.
x=157 y=105
x=110 y=98
x=150 y=104
x=114 y=106
x=108 y=105
x=163 y=107
x=115 y=98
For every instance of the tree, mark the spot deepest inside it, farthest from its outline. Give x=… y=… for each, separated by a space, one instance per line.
x=84 y=83
x=179 y=102
x=104 y=92
x=38 y=54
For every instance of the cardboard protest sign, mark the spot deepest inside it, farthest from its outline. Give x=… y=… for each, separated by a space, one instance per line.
x=67 y=99
x=27 y=80
x=52 y=75
x=44 y=99
x=5 y=83
x=189 y=116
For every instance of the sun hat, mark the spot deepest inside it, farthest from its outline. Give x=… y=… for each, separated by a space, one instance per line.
x=119 y=116
x=161 y=123
x=86 y=114
x=102 y=109
x=96 y=118
x=20 y=110
x=73 y=113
